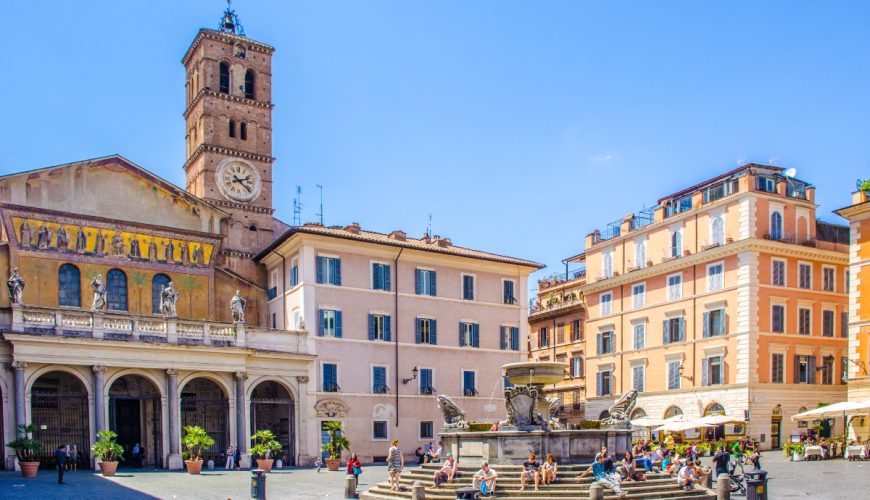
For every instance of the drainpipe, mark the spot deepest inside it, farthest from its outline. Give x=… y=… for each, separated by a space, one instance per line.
x=283 y=287
x=396 y=336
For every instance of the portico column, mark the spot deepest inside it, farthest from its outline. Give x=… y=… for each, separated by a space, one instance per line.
x=20 y=415
x=241 y=434
x=174 y=461
x=99 y=402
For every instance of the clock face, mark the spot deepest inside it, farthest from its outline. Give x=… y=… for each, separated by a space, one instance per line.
x=238 y=180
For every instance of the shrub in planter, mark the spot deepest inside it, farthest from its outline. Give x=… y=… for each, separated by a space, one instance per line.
x=336 y=444
x=25 y=449
x=196 y=440
x=265 y=448
x=108 y=451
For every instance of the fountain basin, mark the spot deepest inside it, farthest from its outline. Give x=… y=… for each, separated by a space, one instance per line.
x=535 y=372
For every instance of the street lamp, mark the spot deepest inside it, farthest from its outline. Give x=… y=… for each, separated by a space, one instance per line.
x=414 y=371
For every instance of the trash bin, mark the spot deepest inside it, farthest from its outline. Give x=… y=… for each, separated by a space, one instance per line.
x=756 y=485
x=258 y=484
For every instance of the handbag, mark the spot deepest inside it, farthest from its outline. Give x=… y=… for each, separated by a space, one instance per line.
x=356 y=470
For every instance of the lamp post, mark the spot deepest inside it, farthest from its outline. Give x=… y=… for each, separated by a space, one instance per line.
x=414 y=371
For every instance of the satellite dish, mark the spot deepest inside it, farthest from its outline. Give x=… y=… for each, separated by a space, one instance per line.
x=791 y=172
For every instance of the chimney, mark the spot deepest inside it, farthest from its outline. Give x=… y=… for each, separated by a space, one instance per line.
x=398 y=235
x=352 y=228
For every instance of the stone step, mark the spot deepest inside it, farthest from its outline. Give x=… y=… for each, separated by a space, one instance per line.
x=383 y=492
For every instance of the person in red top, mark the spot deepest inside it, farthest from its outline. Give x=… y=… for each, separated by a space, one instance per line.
x=354 y=466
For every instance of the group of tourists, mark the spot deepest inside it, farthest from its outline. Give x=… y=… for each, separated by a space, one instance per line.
x=234 y=456
x=429 y=454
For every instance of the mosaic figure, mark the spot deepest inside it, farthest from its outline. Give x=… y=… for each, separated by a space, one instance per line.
x=198 y=256
x=62 y=238
x=169 y=252
x=185 y=254
x=152 y=251
x=100 y=245
x=135 y=251
x=43 y=237
x=25 y=234
x=81 y=241
x=117 y=244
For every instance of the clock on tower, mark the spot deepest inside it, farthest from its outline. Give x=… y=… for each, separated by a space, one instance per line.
x=229 y=136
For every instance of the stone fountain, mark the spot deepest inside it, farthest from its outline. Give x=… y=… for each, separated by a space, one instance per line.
x=532 y=423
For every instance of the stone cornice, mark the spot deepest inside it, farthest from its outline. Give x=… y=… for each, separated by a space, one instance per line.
x=718 y=252
x=227 y=97
x=243 y=206
x=237 y=253
x=228 y=152
x=220 y=36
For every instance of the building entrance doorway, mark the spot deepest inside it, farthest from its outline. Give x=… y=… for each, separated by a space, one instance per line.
x=205 y=404
x=135 y=414
x=59 y=410
x=272 y=409
x=776 y=428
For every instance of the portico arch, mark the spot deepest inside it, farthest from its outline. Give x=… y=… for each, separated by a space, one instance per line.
x=136 y=415
x=59 y=408
x=205 y=402
x=272 y=408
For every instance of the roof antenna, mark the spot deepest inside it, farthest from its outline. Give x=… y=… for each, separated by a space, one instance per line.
x=741 y=161
x=429 y=226
x=772 y=161
x=320 y=187
x=297 y=207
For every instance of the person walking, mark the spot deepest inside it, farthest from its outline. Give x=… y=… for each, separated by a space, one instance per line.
x=60 y=456
x=720 y=461
x=395 y=464
x=230 y=452
x=136 y=460
x=74 y=459
x=237 y=458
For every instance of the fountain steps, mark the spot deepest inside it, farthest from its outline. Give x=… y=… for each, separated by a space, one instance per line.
x=569 y=486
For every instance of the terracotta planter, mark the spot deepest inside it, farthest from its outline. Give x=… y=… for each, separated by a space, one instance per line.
x=265 y=464
x=193 y=466
x=333 y=464
x=28 y=469
x=108 y=468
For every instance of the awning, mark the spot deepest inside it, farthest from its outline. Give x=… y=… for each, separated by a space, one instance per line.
x=720 y=419
x=647 y=422
x=682 y=425
x=834 y=410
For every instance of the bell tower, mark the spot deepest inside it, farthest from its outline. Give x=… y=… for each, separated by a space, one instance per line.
x=228 y=115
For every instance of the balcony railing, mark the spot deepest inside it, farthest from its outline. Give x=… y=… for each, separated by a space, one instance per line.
x=469 y=391
x=558 y=278
x=331 y=387
x=74 y=323
x=428 y=390
x=556 y=303
x=381 y=389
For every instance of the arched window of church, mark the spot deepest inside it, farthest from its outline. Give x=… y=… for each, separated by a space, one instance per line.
x=69 y=289
x=116 y=287
x=243 y=131
x=224 y=70
x=231 y=128
x=249 y=84
x=157 y=284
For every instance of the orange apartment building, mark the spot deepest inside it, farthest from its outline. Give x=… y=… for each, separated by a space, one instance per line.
x=858 y=382
x=556 y=322
x=728 y=296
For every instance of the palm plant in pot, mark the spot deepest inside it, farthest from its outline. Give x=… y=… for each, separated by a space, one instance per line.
x=25 y=449
x=336 y=444
x=196 y=440
x=108 y=452
x=265 y=448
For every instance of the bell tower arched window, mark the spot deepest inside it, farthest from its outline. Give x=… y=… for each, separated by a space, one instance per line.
x=69 y=288
x=231 y=128
x=243 y=131
x=116 y=286
x=157 y=284
x=249 y=84
x=224 y=74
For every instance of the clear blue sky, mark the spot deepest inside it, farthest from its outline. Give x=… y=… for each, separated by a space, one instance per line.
x=521 y=126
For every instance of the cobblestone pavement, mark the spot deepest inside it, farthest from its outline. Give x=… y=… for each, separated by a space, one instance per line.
x=300 y=484
x=829 y=479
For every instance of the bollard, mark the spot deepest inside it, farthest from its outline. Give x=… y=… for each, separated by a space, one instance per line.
x=723 y=487
x=708 y=479
x=596 y=492
x=210 y=464
x=418 y=491
x=350 y=486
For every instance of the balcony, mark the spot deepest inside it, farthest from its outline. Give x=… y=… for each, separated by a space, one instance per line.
x=428 y=390
x=469 y=392
x=381 y=389
x=76 y=323
x=553 y=304
x=559 y=278
x=331 y=387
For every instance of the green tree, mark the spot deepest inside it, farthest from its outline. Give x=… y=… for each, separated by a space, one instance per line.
x=188 y=285
x=138 y=280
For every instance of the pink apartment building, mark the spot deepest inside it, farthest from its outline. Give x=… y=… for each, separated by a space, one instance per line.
x=394 y=321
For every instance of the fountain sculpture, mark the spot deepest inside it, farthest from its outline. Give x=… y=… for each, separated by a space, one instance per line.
x=532 y=424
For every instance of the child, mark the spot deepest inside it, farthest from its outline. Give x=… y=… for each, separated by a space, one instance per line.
x=318 y=464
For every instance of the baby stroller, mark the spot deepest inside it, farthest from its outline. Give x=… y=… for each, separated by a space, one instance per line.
x=738 y=477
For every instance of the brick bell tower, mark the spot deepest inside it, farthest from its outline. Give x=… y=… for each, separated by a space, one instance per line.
x=229 y=137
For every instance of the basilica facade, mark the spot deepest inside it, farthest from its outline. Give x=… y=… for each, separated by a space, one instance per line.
x=103 y=246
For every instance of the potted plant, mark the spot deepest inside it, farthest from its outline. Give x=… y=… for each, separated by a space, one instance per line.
x=196 y=440
x=864 y=186
x=25 y=449
x=337 y=442
x=108 y=452
x=266 y=446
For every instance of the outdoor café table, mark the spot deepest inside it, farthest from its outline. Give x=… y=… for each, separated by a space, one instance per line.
x=813 y=451
x=855 y=452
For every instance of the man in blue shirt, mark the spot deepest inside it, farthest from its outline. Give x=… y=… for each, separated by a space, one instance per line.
x=599 y=472
x=60 y=456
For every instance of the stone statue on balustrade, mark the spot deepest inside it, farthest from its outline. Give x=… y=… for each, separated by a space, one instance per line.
x=16 y=287
x=168 y=300
x=99 y=304
x=454 y=416
x=237 y=307
x=620 y=411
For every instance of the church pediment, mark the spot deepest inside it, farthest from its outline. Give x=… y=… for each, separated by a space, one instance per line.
x=111 y=187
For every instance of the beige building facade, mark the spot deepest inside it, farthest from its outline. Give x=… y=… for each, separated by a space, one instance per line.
x=729 y=297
